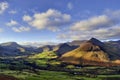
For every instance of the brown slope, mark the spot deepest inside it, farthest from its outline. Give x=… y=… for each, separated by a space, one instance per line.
x=4 y=77
x=90 y=50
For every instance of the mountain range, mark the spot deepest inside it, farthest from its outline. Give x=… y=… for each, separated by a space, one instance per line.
x=70 y=52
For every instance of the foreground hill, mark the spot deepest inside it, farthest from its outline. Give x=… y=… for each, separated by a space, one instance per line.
x=89 y=50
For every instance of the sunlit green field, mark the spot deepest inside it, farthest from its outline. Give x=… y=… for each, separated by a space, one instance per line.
x=41 y=67
x=53 y=75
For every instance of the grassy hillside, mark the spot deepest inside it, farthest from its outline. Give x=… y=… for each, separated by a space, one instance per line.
x=46 y=55
x=44 y=59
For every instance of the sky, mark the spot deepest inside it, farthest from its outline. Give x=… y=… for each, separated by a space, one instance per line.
x=55 y=21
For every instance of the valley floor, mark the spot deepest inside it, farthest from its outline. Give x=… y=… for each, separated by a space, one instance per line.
x=48 y=68
x=54 y=75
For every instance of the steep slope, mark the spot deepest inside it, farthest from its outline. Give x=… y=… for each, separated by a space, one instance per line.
x=90 y=50
x=10 y=44
x=113 y=49
x=14 y=49
x=45 y=48
x=63 y=48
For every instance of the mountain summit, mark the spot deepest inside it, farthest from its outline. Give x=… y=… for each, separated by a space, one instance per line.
x=92 y=45
x=92 y=50
x=96 y=42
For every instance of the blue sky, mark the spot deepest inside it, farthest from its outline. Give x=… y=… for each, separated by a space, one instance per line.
x=58 y=20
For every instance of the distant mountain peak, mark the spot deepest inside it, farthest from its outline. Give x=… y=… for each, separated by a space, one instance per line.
x=9 y=43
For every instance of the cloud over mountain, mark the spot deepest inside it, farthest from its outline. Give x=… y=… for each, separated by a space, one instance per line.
x=104 y=26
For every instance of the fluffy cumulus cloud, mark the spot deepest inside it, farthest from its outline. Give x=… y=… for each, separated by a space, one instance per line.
x=12 y=23
x=21 y=29
x=3 y=6
x=50 y=20
x=106 y=26
x=92 y=23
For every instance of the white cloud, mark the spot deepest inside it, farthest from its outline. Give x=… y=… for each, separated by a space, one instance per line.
x=37 y=44
x=70 y=5
x=12 y=12
x=53 y=29
x=106 y=26
x=3 y=6
x=50 y=20
x=92 y=23
x=63 y=36
x=12 y=23
x=21 y=29
x=27 y=18
x=112 y=32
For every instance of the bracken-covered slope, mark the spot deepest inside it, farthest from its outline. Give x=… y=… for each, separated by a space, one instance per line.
x=92 y=50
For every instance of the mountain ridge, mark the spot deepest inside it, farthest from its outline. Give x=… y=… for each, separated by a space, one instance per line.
x=92 y=50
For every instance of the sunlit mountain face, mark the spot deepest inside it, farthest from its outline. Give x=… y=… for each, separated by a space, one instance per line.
x=59 y=40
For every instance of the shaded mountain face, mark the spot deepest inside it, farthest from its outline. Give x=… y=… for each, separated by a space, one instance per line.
x=58 y=49
x=92 y=50
x=63 y=48
x=13 y=49
x=96 y=42
x=113 y=49
x=45 y=48
x=10 y=45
